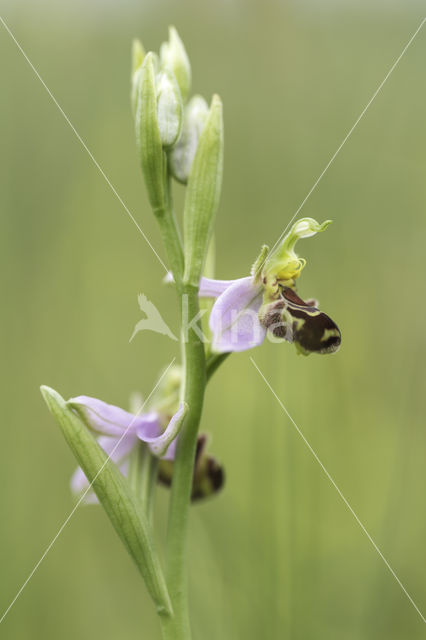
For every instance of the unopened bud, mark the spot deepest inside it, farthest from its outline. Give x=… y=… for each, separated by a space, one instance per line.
x=174 y=57
x=183 y=153
x=169 y=108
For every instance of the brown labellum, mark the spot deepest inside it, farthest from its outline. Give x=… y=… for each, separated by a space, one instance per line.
x=295 y=320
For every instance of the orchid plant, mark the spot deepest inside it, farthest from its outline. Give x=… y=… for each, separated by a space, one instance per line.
x=123 y=455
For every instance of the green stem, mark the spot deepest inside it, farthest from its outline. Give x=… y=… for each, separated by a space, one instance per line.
x=177 y=627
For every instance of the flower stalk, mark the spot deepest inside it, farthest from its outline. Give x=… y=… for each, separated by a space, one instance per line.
x=178 y=626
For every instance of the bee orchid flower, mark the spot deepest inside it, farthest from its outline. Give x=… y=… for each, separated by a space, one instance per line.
x=119 y=431
x=266 y=300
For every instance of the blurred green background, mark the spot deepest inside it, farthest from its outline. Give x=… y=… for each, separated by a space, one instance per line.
x=277 y=554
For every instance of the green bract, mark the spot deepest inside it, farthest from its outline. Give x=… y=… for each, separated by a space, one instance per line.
x=203 y=192
x=148 y=135
x=114 y=493
x=138 y=55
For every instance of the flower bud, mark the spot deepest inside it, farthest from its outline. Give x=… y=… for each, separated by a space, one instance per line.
x=148 y=135
x=169 y=108
x=174 y=57
x=203 y=193
x=183 y=153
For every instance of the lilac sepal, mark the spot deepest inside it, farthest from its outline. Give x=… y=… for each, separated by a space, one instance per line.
x=234 y=320
x=213 y=288
x=171 y=451
x=110 y=420
x=160 y=443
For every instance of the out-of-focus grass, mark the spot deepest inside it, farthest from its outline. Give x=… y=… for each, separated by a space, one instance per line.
x=277 y=554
